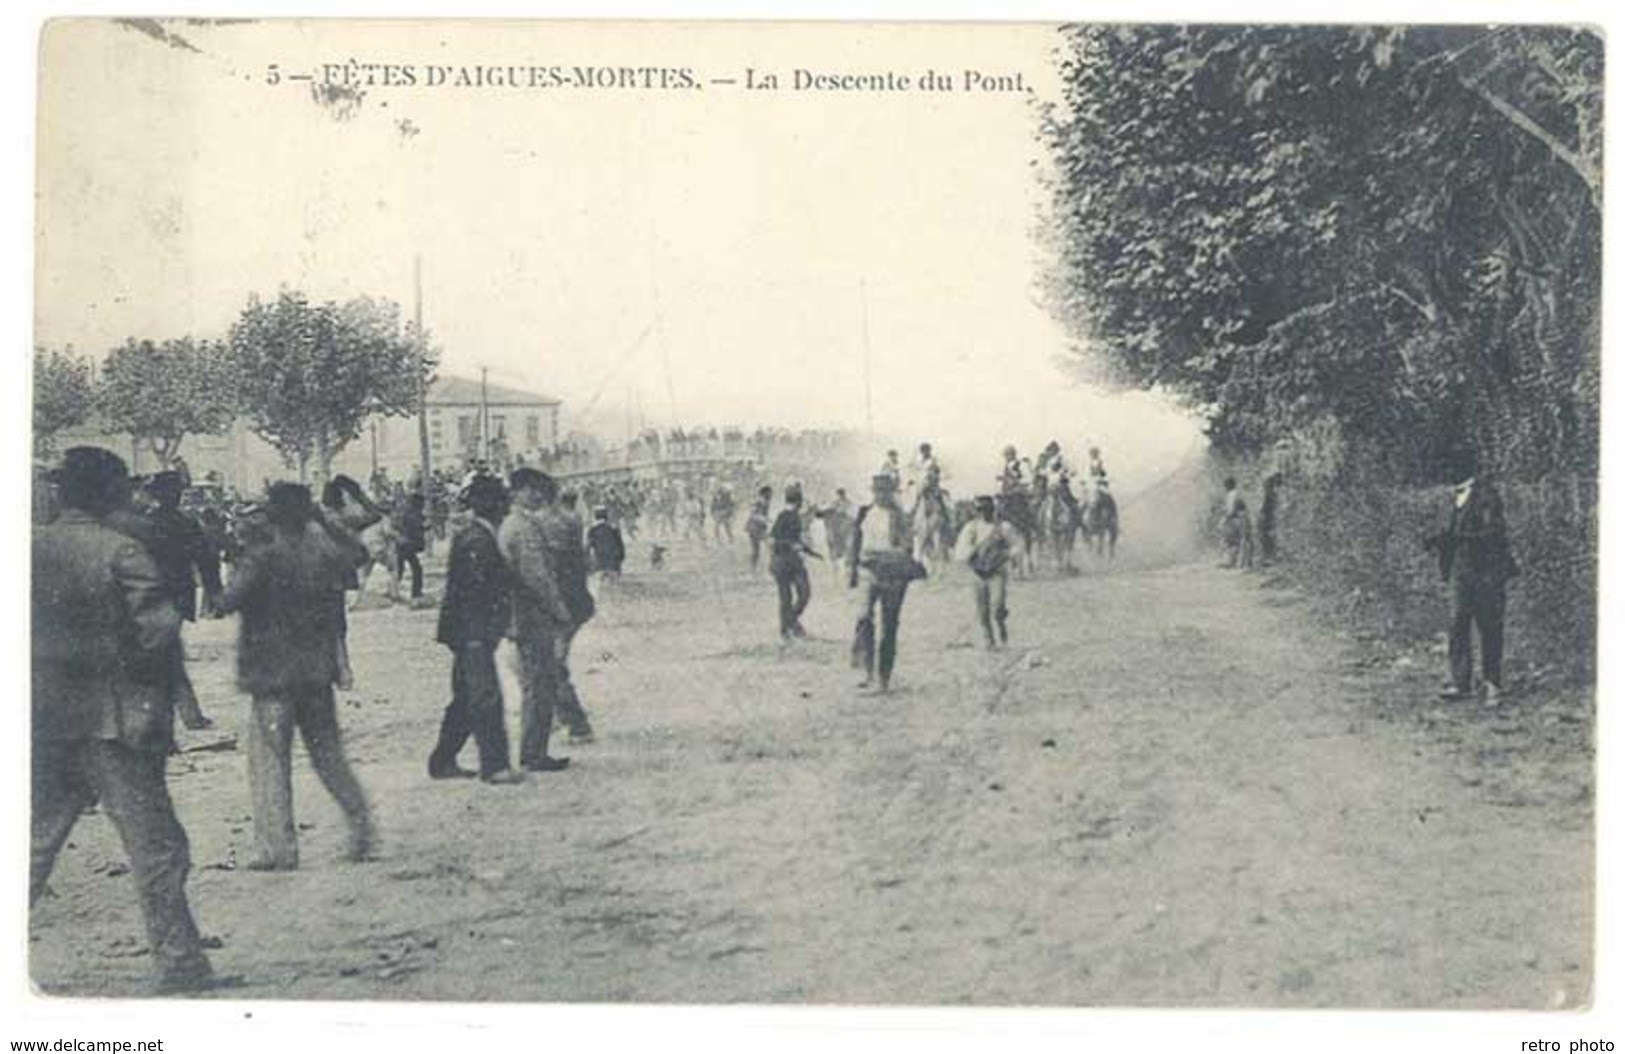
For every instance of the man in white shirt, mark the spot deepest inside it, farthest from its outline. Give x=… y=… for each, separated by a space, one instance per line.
x=880 y=558
x=984 y=544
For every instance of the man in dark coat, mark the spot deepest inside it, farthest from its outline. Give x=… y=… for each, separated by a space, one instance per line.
x=413 y=539
x=787 y=566
x=541 y=618
x=103 y=622
x=182 y=550
x=566 y=539
x=606 y=547
x=474 y=614
x=167 y=544
x=288 y=591
x=1475 y=558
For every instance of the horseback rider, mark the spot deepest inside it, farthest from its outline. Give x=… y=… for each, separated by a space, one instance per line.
x=1049 y=461
x=892 y=467
x=1012 y=480
x=1064 y=493
x=1097 y=467
x=928 y=483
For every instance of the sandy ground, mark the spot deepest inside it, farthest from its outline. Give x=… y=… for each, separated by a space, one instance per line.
x=1175 y=788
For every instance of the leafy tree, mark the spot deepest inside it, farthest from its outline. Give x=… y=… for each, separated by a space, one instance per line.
x=1387 y=238
x=162 y=392
x=309 y=375
x=63 y=396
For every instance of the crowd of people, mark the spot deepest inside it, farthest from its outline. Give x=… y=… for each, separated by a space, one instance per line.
x=118 y=562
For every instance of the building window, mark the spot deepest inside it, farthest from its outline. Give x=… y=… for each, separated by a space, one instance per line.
x=533 y=431
x=498 y=431
x=468 y=431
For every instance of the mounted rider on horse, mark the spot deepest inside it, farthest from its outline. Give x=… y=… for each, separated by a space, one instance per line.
x=931 y=513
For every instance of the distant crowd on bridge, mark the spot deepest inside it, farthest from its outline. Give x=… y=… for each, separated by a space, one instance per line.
x=575 y=455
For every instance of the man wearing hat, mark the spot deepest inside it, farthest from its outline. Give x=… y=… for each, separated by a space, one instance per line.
x=606 y=547
x=542 y=620
x=880 y=559
x=289 y=591
x=474 y=613
x=788 y=568
x=181 y=550
x=102 y=719
x=1475 y=558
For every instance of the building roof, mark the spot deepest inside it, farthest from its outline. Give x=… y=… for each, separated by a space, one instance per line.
x=461 y=391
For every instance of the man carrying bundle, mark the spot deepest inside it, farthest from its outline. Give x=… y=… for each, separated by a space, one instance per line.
x=880 y=558
x=984 y=544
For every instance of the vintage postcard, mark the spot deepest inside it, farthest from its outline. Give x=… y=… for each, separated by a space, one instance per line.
x=840 y=514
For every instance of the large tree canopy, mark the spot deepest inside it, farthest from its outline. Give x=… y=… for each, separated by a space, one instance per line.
x=309 y=374
x=162 y=392
x=1384 y=238
x=63 y=396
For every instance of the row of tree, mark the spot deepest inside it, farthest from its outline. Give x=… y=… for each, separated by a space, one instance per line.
x=305 y=376
x=1386 y=239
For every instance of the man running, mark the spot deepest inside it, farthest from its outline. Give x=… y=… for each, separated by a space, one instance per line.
x=757 y=523
x=880 y=559
x=984 y=544
x=722 y=515
x=788 y=568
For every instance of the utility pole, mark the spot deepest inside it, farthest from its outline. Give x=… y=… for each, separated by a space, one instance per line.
x=423 y=373
x=485 y=418
x=868 y=391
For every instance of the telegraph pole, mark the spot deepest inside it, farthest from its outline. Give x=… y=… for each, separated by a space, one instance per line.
x=868 y=391
x=423 y=373
x=485 y=418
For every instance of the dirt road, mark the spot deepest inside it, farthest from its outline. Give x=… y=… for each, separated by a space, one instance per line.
x=1174 y=789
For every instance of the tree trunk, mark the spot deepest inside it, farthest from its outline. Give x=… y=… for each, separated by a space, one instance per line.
x=324 y=457
x=166 y=449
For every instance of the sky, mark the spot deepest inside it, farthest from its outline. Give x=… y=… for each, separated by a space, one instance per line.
x=715 y=255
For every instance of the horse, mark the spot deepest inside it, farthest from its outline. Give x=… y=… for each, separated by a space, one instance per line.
x=1060 y=519
x=933 y=530
x=1015 y=509
x=1100 y=526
